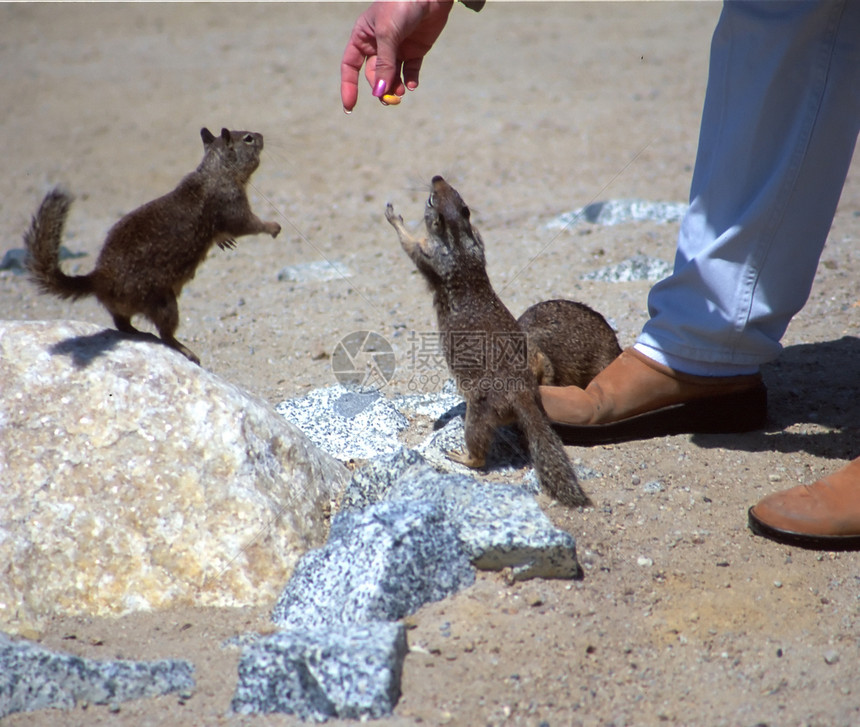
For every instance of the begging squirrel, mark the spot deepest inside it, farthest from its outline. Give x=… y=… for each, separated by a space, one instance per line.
x=485 y=349
x=153 y=251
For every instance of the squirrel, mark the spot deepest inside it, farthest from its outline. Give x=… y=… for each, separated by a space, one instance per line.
x=151 y=252
x=486 y=351
x=572 y=342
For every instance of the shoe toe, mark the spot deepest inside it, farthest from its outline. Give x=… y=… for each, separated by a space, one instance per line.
x=809 y=516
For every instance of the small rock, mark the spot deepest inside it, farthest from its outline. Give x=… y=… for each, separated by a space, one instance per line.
x=535 y=600
x=831 y=656
x=380 y=564
x=15 y=260
x=638 y=267
x=351 y=672
x=618 y=211
x=499 y=526
x=316 y=271
x=644 y=561
x=653 y=486
x=32 y=678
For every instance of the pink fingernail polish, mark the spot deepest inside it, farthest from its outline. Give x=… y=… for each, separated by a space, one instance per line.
x=379 y=88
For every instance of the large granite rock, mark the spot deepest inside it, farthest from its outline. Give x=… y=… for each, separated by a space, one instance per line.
x=32 y=678
x=133 y=479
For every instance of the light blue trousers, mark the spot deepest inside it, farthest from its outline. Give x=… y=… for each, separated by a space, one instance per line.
x=780 y=121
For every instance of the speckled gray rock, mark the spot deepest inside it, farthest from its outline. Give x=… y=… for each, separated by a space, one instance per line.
x=347 y=671
x=15 y=260
x=404 y=537
x=131 y=479
x=32 y=678
x=638 y=267
x=498 y=525
x=380 y=563
x=345 y=423
x=373 y=481
x=441 y=405
x=315 y=271
x=619 y=211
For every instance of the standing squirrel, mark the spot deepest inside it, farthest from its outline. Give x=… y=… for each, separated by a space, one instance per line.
x=573 y=342
x=485 y=349
x=151 y=253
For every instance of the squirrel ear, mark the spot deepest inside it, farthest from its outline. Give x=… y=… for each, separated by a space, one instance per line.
x=225 y=135
x=207 y=136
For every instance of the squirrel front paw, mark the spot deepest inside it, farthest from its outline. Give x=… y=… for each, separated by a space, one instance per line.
x=391 y=217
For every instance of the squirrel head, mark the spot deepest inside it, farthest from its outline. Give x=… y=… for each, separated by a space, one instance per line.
x=453 y=245
x=236 y=151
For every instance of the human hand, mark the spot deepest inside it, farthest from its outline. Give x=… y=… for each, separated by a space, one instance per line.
x=390 y=39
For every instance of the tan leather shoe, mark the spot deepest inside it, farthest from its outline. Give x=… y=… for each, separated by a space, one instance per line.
x=824 y=515
x=636 y=398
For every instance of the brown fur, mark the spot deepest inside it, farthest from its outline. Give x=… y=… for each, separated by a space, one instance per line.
x=574 y=343
x=495 y=375
x=151 y=253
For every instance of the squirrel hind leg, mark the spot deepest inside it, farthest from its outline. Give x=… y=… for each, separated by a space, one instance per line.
x=479 y=436
x=123 y=323
x=165 y=316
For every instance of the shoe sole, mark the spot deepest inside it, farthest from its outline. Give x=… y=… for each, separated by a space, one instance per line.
x=802 y=540
x=743 y=411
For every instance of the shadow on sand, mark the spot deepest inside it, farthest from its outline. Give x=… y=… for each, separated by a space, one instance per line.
x=815 y=383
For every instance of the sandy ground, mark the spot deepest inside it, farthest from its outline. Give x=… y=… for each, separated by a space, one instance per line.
x=530 y=110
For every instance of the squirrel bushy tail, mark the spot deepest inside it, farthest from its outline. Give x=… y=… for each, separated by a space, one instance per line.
x=554 y=470
x=43 y=247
